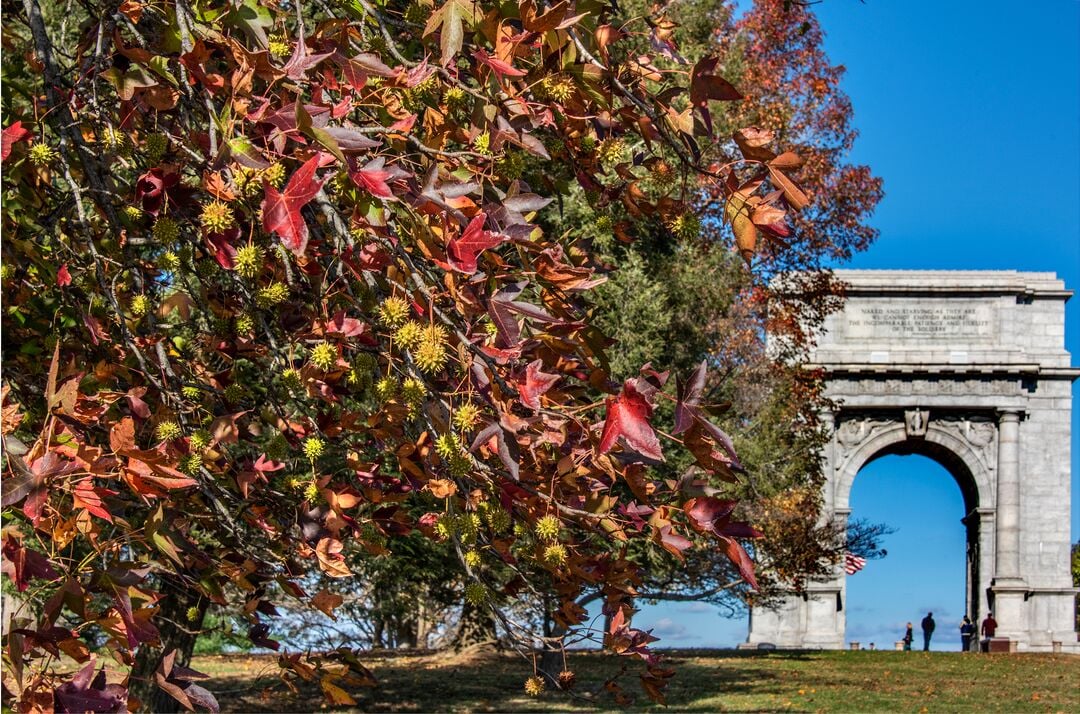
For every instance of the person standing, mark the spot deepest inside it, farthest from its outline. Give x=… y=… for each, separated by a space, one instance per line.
x=928 y=626
x=967 y=634
x=989 y=627
x=909 y=635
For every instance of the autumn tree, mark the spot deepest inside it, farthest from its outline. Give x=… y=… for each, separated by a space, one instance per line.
x=278 y=288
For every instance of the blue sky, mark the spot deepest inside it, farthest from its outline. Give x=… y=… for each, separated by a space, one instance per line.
x=970 y=111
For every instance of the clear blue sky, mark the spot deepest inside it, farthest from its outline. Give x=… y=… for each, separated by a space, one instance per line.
x=970 y=112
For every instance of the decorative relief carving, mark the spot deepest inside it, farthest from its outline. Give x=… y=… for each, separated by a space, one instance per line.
x=925 y=387
x=915 y=422
x=979 y=434
x=853 y=432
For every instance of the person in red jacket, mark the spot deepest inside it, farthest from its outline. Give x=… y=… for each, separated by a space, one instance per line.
x=989 y=627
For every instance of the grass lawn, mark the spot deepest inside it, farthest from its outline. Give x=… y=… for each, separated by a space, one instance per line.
x=707 y=681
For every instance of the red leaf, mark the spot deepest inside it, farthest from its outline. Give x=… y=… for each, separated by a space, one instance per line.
x=672 y=542
x=281 y=209
x=628 y=417
x=13 y=134
x=63 y=277
x=88 y=497
x=372 y=178
x=497 y=66
x=534 y=383
x=464 y=250
x=21 y=564
x=738 y=556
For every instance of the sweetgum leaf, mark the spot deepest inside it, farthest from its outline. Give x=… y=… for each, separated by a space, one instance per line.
x=281 y=209
x=464 y=249
x=628 y=418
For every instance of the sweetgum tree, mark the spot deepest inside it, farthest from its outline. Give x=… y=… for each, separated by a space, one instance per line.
x=276 y=288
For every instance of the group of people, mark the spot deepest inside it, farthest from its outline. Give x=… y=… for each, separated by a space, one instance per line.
x=967 y=632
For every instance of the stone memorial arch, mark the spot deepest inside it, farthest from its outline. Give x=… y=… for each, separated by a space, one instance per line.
x=970 y=369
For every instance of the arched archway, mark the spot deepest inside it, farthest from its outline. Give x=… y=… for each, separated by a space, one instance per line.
x=927 y=568
x=967 y=368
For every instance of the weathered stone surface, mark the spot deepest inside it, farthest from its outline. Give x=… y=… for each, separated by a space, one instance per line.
x=970 y=369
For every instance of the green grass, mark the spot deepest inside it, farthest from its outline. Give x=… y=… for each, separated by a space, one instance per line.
x=707 y=681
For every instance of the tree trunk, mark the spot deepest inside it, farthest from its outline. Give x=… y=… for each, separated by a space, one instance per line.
x=476 y=627
x=552 y=660
x=178 y=632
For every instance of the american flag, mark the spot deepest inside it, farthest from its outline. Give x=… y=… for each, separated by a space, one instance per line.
x=853 y=563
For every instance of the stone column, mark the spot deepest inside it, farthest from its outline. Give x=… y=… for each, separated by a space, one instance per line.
x=1007 y=563
x=1008 y=587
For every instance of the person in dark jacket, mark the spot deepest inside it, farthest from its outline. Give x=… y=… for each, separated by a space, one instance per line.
x=967 y=634
x=908 y=637
x=989 y=627
x=928 y=626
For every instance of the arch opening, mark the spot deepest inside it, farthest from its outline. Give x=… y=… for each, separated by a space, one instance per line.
x=929 y=567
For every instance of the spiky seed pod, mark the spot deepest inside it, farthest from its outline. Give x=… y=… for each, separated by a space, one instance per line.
x=447 y=446
x=498 y=520
x=113 y=139
x=413 y=391
x=291 y=379
x=140 y=305
x=277 y=449
x=235 y=393
x=686 y=227
x=193 y=394
x=245 y=324
x=473 y=558
x=445 y=527
x=409 y=335
x=466 y=416
x=273 y=294
x=430 y=356
x=217 y=217
x=279 y=47
x=611 y=150
x=133 y=213
x=534 y=686
x=468 y=526
x=155 y=147
x=385 y=388
x=165 y=230
x=190 y=464
x=476 y=594
x=587 y=144
x=324 y=356
x=314 y=447
x=511 y=166
x=662 y=172
x=393 y=311
x=416 y=13
x=555 y=554
x=41 y=154
x=200 y=440
x=459 y=465
x=456 y=99
x=248 y=181
x=482 y=143
x=558 y=87
x=248 y=261
x=311 y=492
x=169 y=262
x=168 y=430
x=275 y=174
x=547 y=528
x=567 y=679
x=192 y=614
